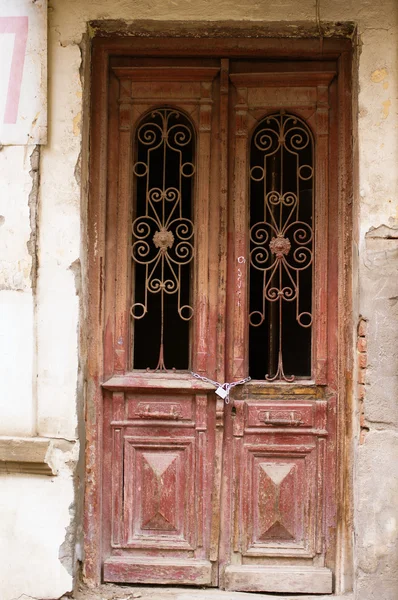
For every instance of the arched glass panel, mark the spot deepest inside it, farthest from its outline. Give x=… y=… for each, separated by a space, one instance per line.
x=162 y=240
x=281 y=248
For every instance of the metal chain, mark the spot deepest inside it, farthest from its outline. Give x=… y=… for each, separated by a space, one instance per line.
x=221 y=386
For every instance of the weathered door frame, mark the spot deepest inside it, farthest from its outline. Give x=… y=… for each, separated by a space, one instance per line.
x=230 y=45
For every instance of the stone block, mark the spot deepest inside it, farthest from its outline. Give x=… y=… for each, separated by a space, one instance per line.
x=381 y=405
x=376 y=523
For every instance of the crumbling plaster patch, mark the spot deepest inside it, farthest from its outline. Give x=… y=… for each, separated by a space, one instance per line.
x=70 y=19
x=58 y=305
x=377 y=497
x=60 y=376
x=379 y=75
x=33 y=202
x=17 y=406
x=15 y=260
x=16 y=373
x=376 y=475
x=34 y=514
x=377 y=130
x=379 y=290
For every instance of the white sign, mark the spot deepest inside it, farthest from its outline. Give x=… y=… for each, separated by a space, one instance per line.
x=23 y=72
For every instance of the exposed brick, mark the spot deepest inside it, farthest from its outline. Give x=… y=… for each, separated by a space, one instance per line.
x=362 y=435
x=362 y=344
x=362 y=327
x=362 y=360
x=361 y=391
x=361 y=375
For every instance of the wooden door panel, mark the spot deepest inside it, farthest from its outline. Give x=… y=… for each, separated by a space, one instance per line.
x=158 y=487
x=279 y=450
x=278 y=497
x=161 y=487
x=282 y=413
x=279 y=505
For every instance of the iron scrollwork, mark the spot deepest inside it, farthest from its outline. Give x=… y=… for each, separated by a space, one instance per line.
x=163 y=236
x=281 y=242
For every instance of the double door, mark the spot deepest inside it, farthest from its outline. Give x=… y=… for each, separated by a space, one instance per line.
x=218 y=262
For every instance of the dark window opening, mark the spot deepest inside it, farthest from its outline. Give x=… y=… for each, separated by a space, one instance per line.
x=162 y=241
x=281 y=248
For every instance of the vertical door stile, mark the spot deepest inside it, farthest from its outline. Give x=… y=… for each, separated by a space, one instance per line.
x=238 y=310
x=320 y=516
x=201 y=427
x=223 y=219
x=202 y=228
x=238 y=428
x=344 y=319
x=216 y=495
x=222 y=194
x=96 y=240
x=121 y=341
x=111 y=224
x=335 y=450
x=113 y=450
x=117 y=487
x=321 y=233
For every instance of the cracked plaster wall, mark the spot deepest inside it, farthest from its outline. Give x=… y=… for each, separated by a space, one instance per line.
x=38 y=513
x=37 y=525
x=35 y=514
x=16 y=298
x=39 y=264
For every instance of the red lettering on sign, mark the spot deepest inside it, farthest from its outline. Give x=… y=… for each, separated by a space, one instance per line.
x=18 y=26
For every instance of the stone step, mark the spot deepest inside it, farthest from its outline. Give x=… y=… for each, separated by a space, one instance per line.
x=113 y=592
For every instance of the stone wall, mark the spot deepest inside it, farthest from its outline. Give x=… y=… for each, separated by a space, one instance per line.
x=42 y=208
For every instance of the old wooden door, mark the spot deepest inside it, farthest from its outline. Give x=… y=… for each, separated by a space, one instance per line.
x=220 y=260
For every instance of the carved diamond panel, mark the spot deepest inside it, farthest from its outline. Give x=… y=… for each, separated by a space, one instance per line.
x=279 y=500
x=159 y=492
x=275 y=482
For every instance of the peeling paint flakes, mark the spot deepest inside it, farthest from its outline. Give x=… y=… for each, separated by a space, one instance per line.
x=379 y=75
x=95 y=240
x=76 y=124
x=386 y=108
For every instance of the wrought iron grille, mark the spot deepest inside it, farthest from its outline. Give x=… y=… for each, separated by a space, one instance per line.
x=162 y=240
x=281 y=248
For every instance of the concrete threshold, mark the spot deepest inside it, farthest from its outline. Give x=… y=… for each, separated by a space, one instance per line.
x=114 y=592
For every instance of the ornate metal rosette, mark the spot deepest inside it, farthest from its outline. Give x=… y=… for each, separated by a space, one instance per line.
x=163 y=229
x=281 y=228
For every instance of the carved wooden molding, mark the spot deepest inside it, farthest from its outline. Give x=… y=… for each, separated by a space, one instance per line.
x=141 y=381
x=25 y=455
x=282 y=79
x=150 y=74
